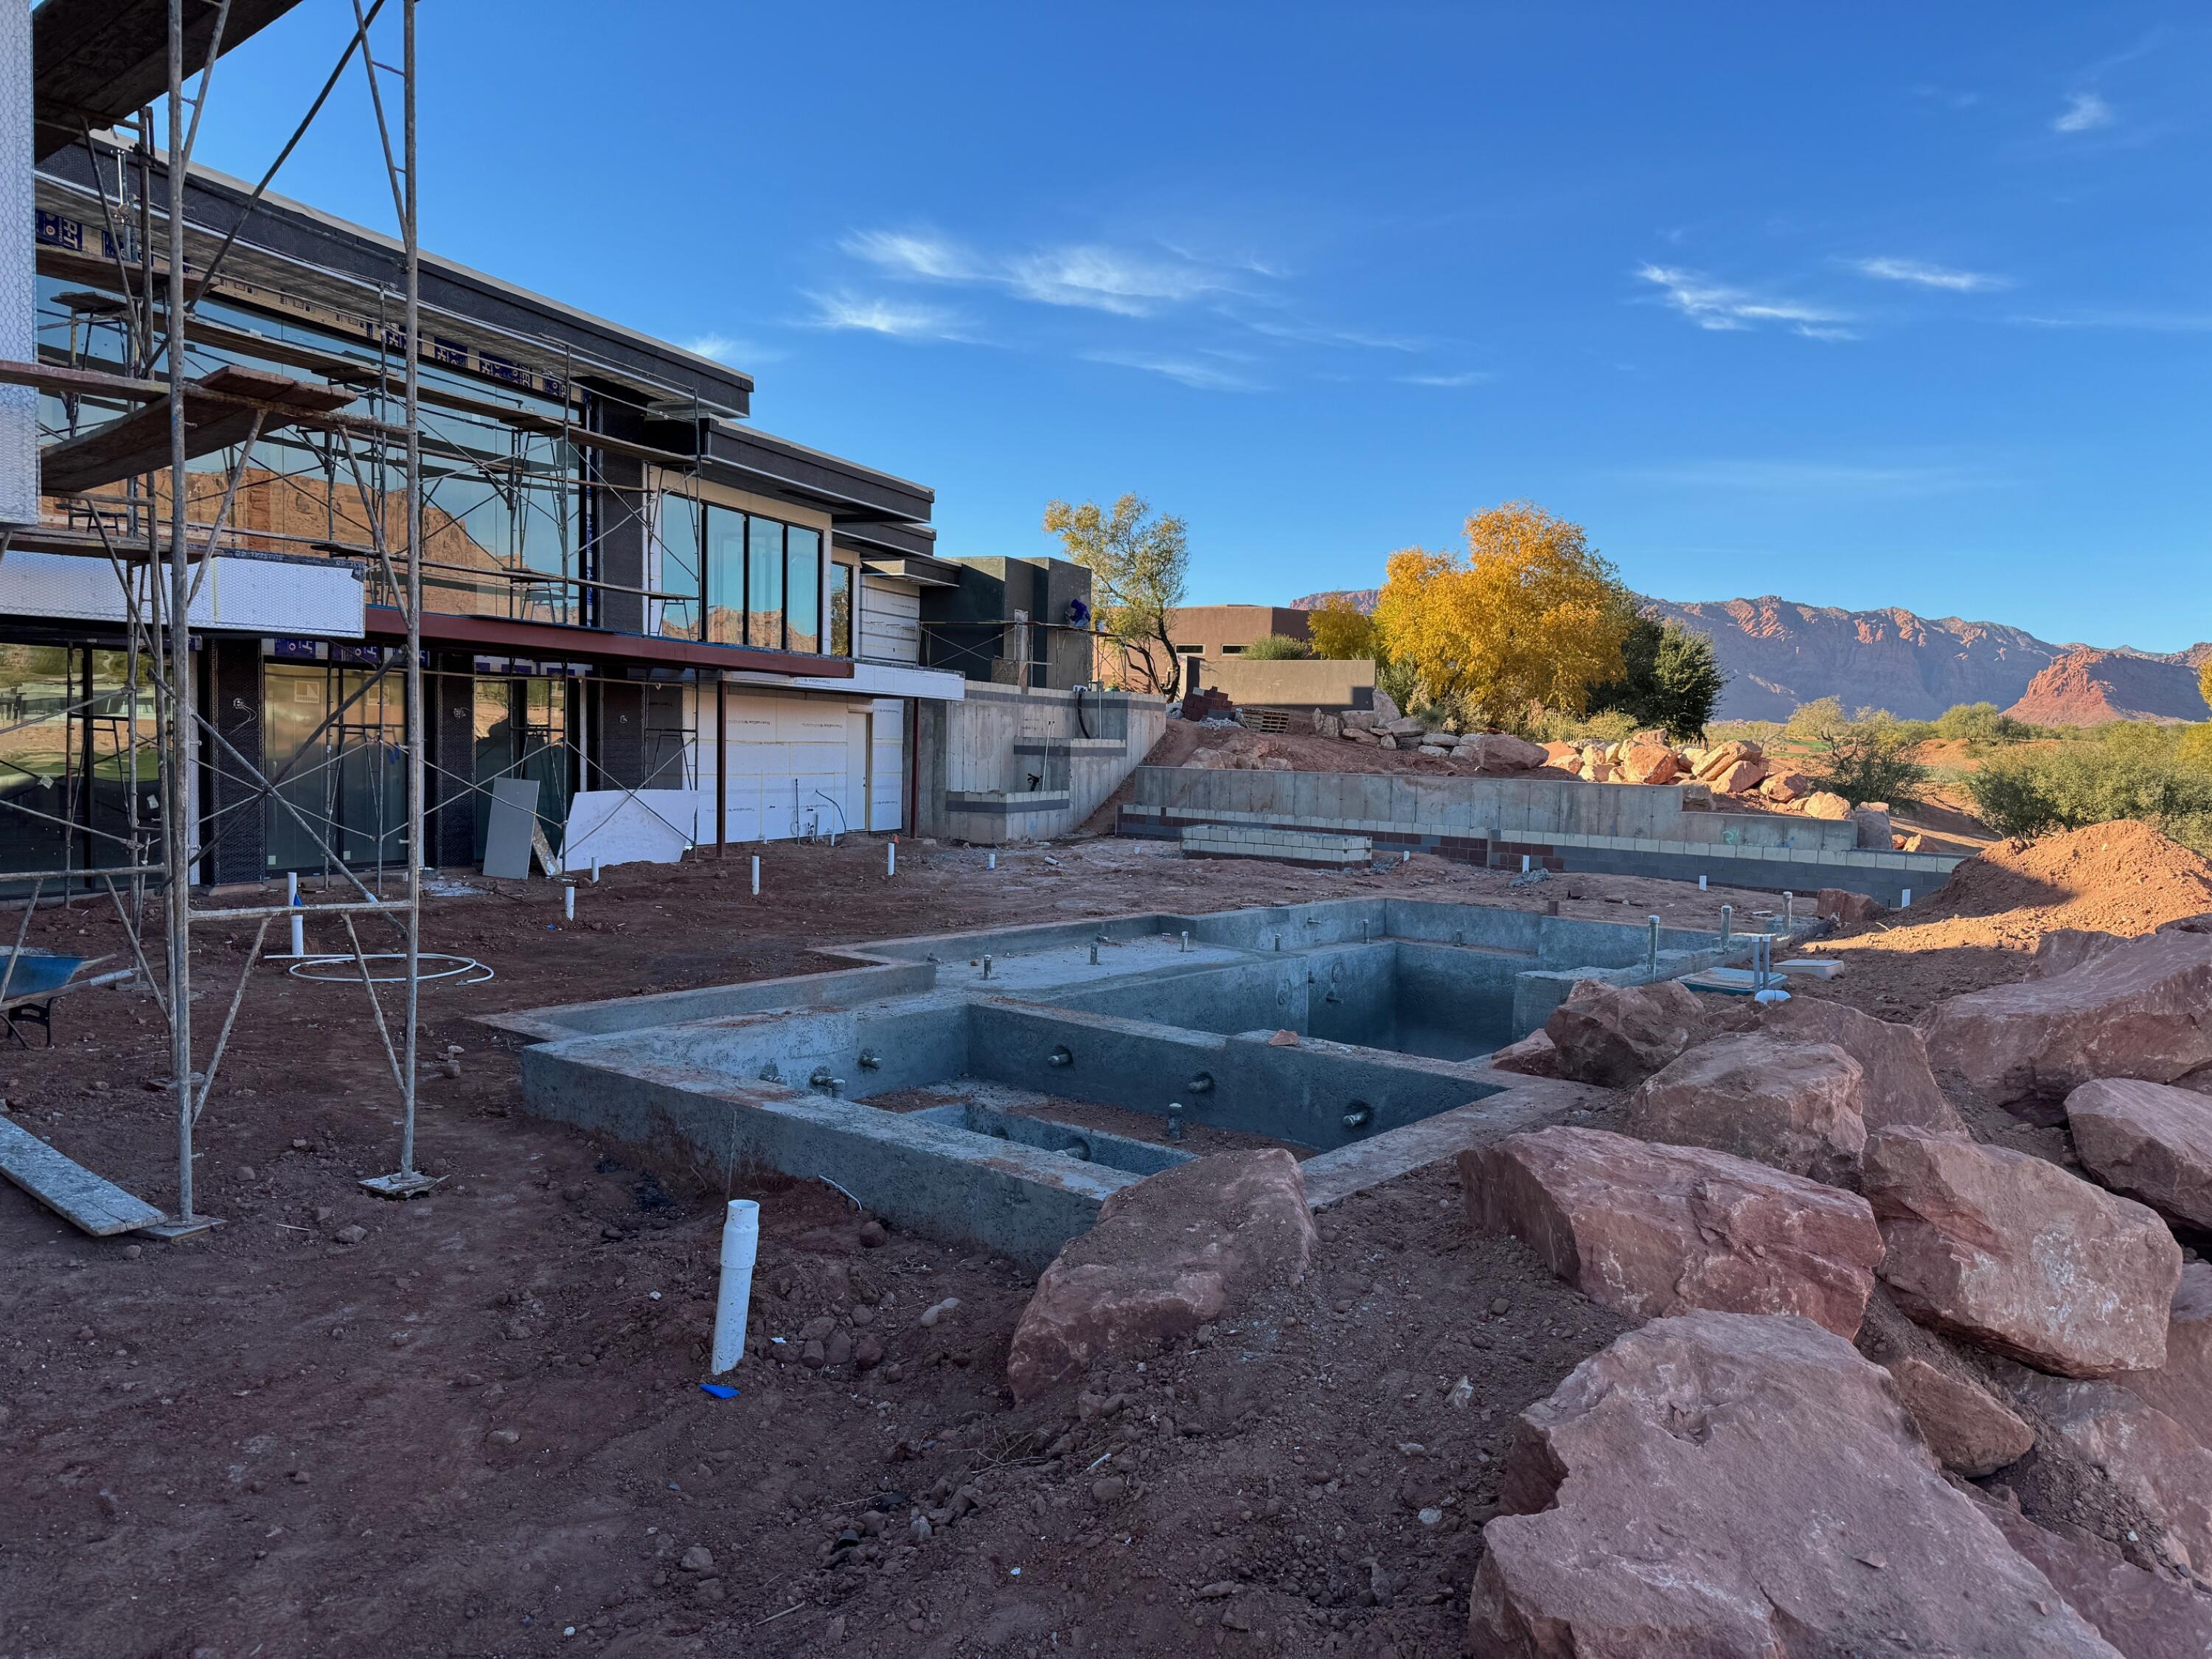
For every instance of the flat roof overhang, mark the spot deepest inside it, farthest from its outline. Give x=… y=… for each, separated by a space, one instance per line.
x=849 y=494
x=97 y=62
x=289 y=248
x=557 y=642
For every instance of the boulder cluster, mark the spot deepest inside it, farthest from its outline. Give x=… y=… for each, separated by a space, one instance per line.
x=1492 y=751
x=1735 y=1476
x=1739 y=768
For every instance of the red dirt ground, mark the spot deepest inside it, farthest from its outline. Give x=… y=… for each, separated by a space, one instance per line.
x=479 y=1427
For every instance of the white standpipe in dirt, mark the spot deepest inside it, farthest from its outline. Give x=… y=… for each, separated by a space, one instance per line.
x=756 y=875
x=890 y=857
x=740 y=1245
x=299 y=921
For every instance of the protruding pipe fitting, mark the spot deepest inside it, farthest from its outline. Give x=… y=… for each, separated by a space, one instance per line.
x=1175 y=1120
x=1094 y=953
x=1359 y=1116
x=987 y=966
x=1185 y=941
x=1200 y=1084
x=869 y=1059
x=1060 y=1056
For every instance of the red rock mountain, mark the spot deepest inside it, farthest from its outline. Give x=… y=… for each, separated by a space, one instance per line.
x=2087 y=688
x=1778 y=654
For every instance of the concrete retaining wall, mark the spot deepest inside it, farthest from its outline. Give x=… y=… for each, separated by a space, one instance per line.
x=1556 y=823
x=1008 y=763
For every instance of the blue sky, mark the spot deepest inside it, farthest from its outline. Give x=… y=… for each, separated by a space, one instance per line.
x=1882 y=306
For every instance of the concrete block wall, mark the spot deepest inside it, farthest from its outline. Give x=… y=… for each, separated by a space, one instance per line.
x=976 y=754
x=1244 y=840
x=1556 y=823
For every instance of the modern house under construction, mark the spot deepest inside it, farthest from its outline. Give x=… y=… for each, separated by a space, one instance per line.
x=626 y=584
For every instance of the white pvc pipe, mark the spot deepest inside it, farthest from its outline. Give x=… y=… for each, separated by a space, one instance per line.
x=741 y=1246
x=1701 y=883
x=568 y=903
x=992 y=862
x=299 y=923
x=1524 y=864
x=1907 y=899
x=756 y=875
x=890 y=859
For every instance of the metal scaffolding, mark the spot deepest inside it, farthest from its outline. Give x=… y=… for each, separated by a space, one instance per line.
x=162 y=575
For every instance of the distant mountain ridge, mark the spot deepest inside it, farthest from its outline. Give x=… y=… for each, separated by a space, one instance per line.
x=1779 y=652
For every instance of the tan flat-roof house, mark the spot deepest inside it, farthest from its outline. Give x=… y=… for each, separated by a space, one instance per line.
x=1207 y=630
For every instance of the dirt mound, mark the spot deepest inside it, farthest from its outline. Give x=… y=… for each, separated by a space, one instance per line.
x=2089 y=688
x=1982 y=926
x=2118 y=878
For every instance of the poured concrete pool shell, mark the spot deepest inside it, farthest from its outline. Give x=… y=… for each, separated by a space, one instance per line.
x=1167 y=1022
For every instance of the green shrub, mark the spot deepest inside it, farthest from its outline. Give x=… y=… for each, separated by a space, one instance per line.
x=1869 y=758
x=1810 y=720
x=1981 y=725
x=1276 y=647
x=2159 y=774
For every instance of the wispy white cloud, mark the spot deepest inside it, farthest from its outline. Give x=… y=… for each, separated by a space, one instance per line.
x=1465 y=377
x=1108 y=279
x=2121 y=316
x=1329 y=334
x=2084 y=112
x=1089 y=275
x=1922 y=274
x=872 y=315
x=913 y=253
x=1795 y=478
x=1188 y=371
x=1826 y=331
x=728 y=349
x=1721 y=307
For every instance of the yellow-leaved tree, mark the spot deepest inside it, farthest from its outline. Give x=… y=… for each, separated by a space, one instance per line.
x=1532 y=615
x=1342 y=631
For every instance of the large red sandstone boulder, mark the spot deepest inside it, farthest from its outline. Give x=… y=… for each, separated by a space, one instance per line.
x=1899 y=1087
x=2145 y=1615
x=2151 y=1459
x=1533 y=1055
x=1501 y=751
x=1648 y=762
x=2143 y=1009
x=1821 y=804
x=1740 y=779
x=2063 y=950
x=1172 y=1252
x=1969 y=1429
x=2182 y=1387
x=1653 y=1229
x=1786 y=786
x=1794 y=1105
x=2014 y=1252
x=2148 y=1140
x=1565 y=756
x=1616 y=1036
x=1720 y=756
x=1729 y=1485
x=1874 y=831
x=1848 y=909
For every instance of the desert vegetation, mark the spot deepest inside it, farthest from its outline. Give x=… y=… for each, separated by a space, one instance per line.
x=1530 y=630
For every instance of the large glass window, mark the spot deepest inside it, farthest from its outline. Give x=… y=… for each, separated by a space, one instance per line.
x=334 y=742
x=726 y=576
x=674 y=570
x=802 y=604
x=764 y=583
x=840 y=610
x=501 y=529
